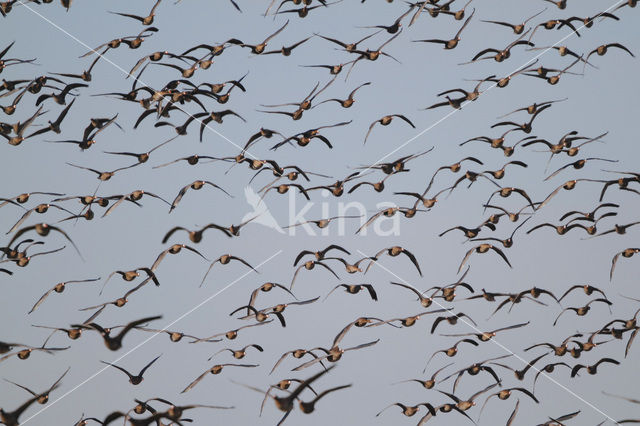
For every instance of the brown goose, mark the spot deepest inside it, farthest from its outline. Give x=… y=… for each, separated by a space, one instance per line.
x=72 y=333
x=513 y=216
x=303 y=12
x=259 y=48
x=307 y=102
x=626 y=253
x=429 y=383
x=451 y=351
x=623 y=184
x=174 y=249
x=385 y=121
x=26 y=353
x=568 y=186
x=395 y=166
x=410 y=410
x=305 y=137
x=549 y=368
x=377 y=186
x=507 y=242
x=146 y=20
x=195 y=185
x=40 y=208
x=393 y=28
x=309 y=265
x=587 y=288
x=224 y=260
x=59 y=288
x=287 y=50
x=592 y=369
x=579 y=164
x=346 y=103
x=517 y=28
x=500 y=55
x=424 y=300
x=104 y=176
x=589 y=20
x=520 y=374
x=262 y=133
x=487 y=296
x=154 y=57
x=333 y=69
x=174 y=336
x=296 y=353
x=602 y=50
x=132 y=275
x=261 y=315
x=319 y=255
x=507 y=191
x=196 y=236
x=10 y=109
x=457 y=15
x=483 y=248
x=450 y=44
x=453 y=320
x=464 y=405
x=216 y=369
x=494 y=142
x=533 y=108
x=238 y=353
x=230 y=335
x=504 y=394
x=337 y=188
x=334 y=354
x=284 y=188
x=628 y=3
x=43 y=229
x=355 y=289
x=393 y=252
x=137 y=379
x=504 y=81
x=589 y=216
x=349 y=47
x=475 y=369
x=133 y=197
x=488 y=335
x=582 y=310
x=42 y=397
x=469 y=232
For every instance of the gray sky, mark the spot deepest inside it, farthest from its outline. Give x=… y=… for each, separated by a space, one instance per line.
x=599 y=101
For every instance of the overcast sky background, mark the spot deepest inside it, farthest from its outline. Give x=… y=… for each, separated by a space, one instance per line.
x=600 y=101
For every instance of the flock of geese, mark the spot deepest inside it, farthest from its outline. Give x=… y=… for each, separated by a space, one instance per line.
x=191 y=103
